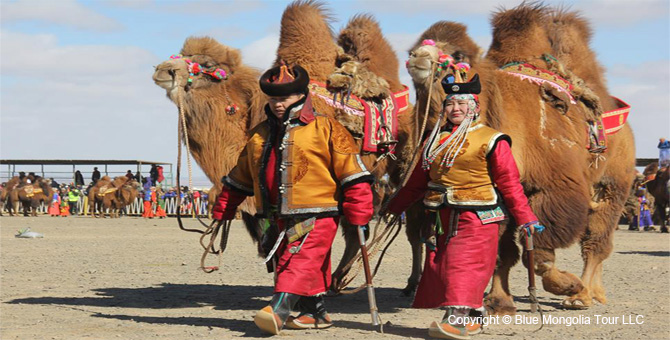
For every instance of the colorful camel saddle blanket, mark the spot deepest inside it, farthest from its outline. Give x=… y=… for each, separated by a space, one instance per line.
x=380 y=118
x=540 y=76
x=614 y=120
x=31 y=191
x=105 y=189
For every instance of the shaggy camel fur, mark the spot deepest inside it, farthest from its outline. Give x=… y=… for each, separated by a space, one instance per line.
x=307 y=39
x=216 y=136
x=581 y=200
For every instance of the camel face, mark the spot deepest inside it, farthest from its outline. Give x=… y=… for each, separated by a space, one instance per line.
x=420 y=63
x=180 y=73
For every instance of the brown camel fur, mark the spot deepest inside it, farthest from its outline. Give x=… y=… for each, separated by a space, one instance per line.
x=216 y=137
x=548 y=134
x=8 y=187
x=95 y=200
x=108 y=201
x=307 y=39
x=41 y=193
x=125 y=196
x=658 y=188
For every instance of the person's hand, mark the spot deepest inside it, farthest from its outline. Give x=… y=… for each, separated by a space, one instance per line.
x=532 y=227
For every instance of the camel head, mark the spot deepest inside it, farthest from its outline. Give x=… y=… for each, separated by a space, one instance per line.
x=119 y=181
x=441 y=50
x=442 y=42
x=202 y=63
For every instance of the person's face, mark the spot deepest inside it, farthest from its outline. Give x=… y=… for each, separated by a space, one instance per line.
x=278 y=105
x=456 y=109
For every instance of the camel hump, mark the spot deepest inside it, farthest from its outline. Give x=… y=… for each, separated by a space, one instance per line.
x=307 y=39
x=523 y=25
x=363 y=39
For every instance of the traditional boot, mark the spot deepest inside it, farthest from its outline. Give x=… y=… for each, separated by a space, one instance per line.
x=474 y=327
x=312 y=314
x=271 y=319
x=451 y=330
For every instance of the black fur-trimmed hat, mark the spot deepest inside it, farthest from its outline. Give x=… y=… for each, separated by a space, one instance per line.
x=450 y=85
x=281 y=81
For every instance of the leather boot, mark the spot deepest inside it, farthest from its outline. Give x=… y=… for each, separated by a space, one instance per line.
x=312 y=314
x=272 y=318
x=452 y=325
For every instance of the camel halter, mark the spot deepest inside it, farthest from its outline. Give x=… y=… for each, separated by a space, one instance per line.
x=213 y=228
x=218 y=73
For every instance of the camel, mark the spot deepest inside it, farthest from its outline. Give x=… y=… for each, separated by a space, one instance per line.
x=102 y=197
x=125 y=195
x=219 y=113
x=8 y=187
x=31 y=196
x=584 y=196
x=305 y=29
x=659 y=188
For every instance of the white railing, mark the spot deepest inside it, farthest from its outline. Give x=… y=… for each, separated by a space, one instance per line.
x=137 y=207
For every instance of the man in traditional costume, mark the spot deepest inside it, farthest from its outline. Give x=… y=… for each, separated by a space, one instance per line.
x=305 y=171
x=466 y=174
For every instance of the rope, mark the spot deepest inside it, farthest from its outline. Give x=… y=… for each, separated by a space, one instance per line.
x=373 y=244
x=224 y=228
x=181 y=125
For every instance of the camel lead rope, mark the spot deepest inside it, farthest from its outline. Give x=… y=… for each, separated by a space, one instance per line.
x=532 y=291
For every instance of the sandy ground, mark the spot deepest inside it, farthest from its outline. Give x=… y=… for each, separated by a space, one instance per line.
x=139 y=279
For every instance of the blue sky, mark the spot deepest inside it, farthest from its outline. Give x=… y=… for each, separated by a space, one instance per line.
x=75 y=76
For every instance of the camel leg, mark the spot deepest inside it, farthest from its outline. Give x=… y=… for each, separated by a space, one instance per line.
x=597 y=244
x=660 y=207
x=415 y=220
x=350 y=250
x=26 y=209
x=499 y=300
x=555 y=281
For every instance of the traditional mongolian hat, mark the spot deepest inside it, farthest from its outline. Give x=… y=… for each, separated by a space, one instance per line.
x=451 y=85
x=281 y=81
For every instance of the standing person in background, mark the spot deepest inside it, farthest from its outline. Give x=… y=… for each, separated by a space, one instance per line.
x=78 y=178
x=663 y=152
x=161 y=178
x=646 y=223
x=95 y=177
x=54 y=208
x=153 y=173
x=64 y=204
x=196 y=202
x=138 y=177
x=129 y=175
x=148 y=209
x=158 y=199
x=54 y=184
x=73 y=199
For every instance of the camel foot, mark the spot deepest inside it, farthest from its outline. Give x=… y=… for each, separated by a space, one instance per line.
x=499 y=305
x=599 y=295
x=581 y=300
x=560 y=282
